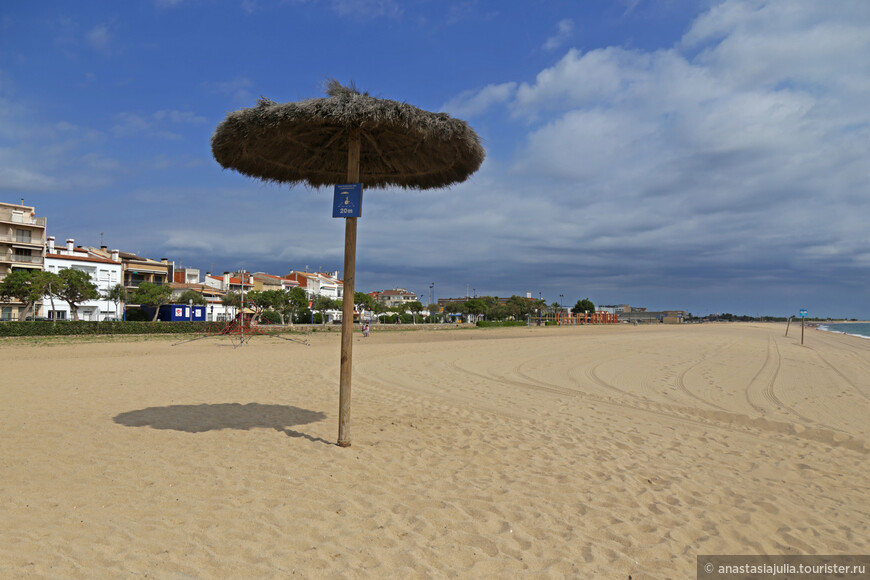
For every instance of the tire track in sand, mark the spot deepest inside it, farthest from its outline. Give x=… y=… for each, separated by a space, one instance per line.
x=772 y=365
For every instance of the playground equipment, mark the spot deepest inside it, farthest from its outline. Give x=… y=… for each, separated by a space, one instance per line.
x=240 y=331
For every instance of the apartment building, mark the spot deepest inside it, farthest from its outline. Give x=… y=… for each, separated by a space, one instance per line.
x=22 y=246
x=138 y=269
x=104 y=272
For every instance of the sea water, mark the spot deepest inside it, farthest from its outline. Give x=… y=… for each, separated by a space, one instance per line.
x=861 y=329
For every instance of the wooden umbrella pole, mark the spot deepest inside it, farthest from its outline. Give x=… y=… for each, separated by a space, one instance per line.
x=353 y=147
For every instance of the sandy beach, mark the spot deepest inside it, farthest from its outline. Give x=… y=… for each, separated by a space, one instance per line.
x=584 y=452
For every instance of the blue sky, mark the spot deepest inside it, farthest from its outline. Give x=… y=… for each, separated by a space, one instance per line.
x=712 y=156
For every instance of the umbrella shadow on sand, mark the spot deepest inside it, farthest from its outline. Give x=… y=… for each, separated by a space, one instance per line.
x=211 y=417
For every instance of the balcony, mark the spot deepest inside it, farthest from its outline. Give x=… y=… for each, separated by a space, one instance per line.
x=19 y=259
x=136 y=283
x=17 y=239
x=17 y=218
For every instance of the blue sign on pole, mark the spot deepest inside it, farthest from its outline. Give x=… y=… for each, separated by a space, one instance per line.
x=803 y=313
x=347 y=201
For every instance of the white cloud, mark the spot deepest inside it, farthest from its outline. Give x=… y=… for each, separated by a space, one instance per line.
x=472 y=103
x=99 y=38
x=565 y=28
x=367 y=9
x=154 y=125
x=15 y=175
x=179 y=117
x=239 y=89
x=723 y=150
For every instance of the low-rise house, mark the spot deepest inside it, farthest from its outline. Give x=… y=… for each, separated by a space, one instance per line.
x=186 y=276
x=138 y=269
x=105 y=273
x=237 y=282
x=318 y=284
x=263 y=282
x=394 y=297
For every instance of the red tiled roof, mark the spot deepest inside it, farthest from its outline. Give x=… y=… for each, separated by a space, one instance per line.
x=237 y=281
x=84 y=258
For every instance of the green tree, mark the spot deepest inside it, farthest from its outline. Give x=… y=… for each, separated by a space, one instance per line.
x=75 y=287
x=498 y=312
x=363 y=299
x=455 y=308
x=324 y=303
x=584 y=305
x=416 y=307
x=379 y=308
x=255 y=301
x=276 y=301
x=27 y=287
x=190 y=295
x=151 y=295
x=233 y=299
x=521 y=307
x=475 y=307
x=296 y=301
x=51 y=281
x=117 y=294
x=272 y=316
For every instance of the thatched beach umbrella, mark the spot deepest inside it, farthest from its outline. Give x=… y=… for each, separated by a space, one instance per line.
x=347 y=137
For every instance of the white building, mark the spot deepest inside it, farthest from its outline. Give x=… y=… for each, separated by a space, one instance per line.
x=104 y=272
x=319 y=284
x=230 y=282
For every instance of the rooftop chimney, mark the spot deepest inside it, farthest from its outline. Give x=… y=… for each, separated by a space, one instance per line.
x=116 y=255
x=226 y=284
x=50 y=244
x=70 y=245
x=104 y=248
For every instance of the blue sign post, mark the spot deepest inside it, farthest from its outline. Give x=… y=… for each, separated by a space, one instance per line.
x=803 y=313
x=347 y=201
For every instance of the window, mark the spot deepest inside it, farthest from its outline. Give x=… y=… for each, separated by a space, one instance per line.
x=6 y=313
x=22 y=255
x=57 y=314
x=22 y=236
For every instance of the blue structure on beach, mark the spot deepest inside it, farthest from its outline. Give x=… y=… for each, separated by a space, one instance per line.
x=177 y=313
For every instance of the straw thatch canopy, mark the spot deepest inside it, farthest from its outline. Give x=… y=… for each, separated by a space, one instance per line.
x=306 y=142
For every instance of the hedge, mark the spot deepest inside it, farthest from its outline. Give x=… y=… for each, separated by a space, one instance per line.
x=87 y=327
x=490 y=323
